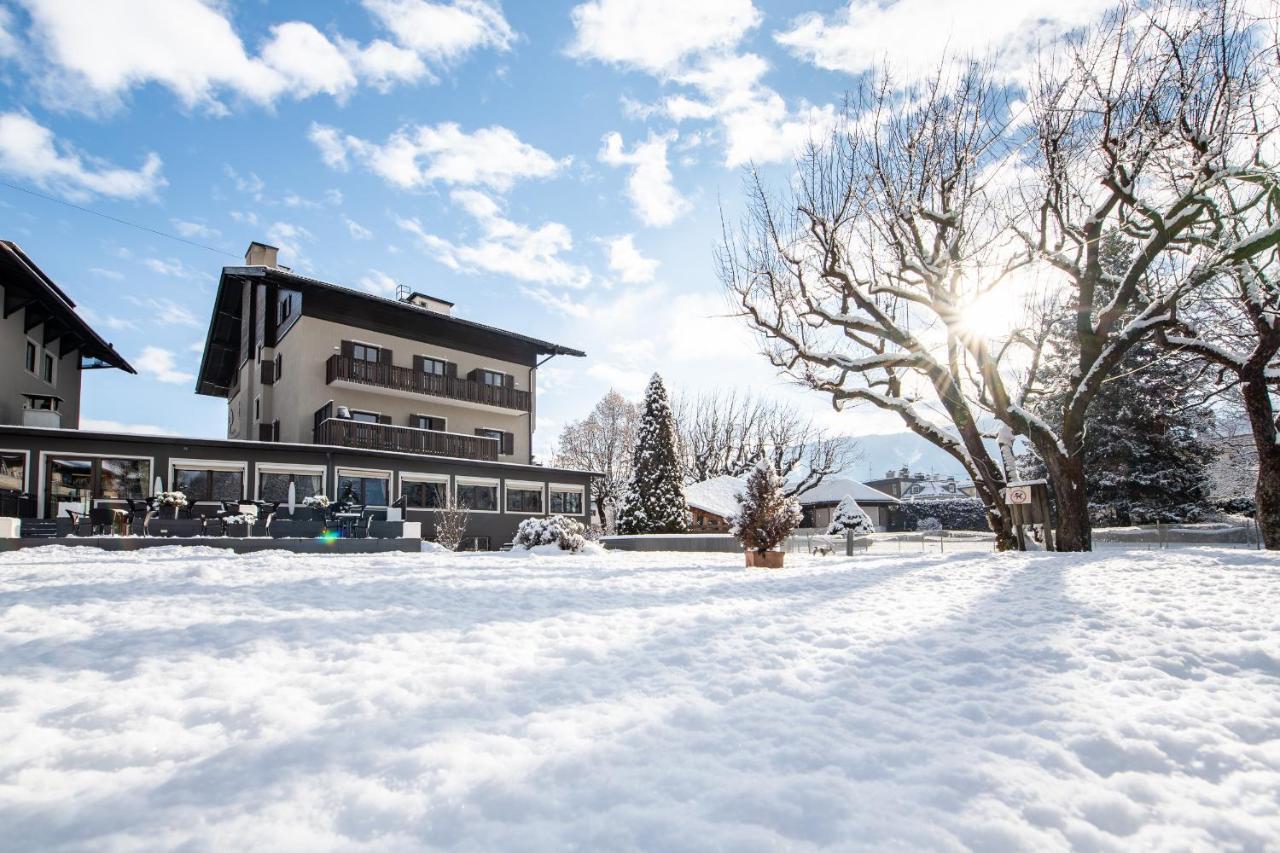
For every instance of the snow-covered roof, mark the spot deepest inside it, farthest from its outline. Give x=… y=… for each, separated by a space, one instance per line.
x=833 y=491
x=718 y=496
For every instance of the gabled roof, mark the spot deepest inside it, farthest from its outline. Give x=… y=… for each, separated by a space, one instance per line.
x=833 y=491
x=718 y=496
x=27 y=288
x=357 y=309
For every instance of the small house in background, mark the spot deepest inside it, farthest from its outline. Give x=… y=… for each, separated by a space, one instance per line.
x=819 y=503
x=906 y=485
x=712 y=502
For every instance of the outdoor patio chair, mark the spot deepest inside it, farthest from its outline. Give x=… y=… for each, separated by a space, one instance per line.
x=102 y=521
x=77 y=519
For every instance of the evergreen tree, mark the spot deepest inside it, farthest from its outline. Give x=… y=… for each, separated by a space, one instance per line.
x=1148 y=442
x=766 y=515
x=850 y=517
x=654 y=501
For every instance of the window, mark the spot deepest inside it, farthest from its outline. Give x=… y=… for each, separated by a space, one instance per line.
x=364 y=352
x=425 y=494
x=33 y=353
x=210 y=484
x=474 y=543
x=47 y=368
x=279 y=365
x=566 y=500
x=491 y=377
x=286 y=308
x=13 y=469
x=524 y=497
x=490 y=433
x=273 y=485
x=428 y=422
x=364 y=417
x=257 y=408
x=477 y=495
x=364 y=488
x=506 y=440
x=76 y=479
x=434 y=366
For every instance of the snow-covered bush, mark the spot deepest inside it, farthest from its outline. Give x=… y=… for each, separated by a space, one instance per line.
x=929 y=524
x=850 y=518
x=556 y=530
x=766 y=515
x=173 y=499
x=317 y=501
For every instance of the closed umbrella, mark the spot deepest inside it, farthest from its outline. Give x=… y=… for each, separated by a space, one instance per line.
x=293 y=498
x=159 y=486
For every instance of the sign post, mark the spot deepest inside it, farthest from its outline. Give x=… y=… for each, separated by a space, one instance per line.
x=1028 y=501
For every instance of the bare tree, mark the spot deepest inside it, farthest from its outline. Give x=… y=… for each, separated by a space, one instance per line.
x=603 y=442
x=729 y=433
x=451 y=524
x=942 y=205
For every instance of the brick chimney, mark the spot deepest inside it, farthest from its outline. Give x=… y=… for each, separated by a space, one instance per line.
x=260 y=255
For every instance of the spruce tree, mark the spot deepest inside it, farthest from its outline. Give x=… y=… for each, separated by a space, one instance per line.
x=850 y=517
x=654 y=501
x=766 y=515
x=1148 y=442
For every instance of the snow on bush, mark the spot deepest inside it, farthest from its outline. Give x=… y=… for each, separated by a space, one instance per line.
x=567 y=534
x=951 y=514
x=850 y=518
x=766 y=515
x=654 y=501
x=929 y=524
x=317 y=501
x=173 y=499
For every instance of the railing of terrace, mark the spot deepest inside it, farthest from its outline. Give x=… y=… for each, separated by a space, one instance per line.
x=366 y=436
x=339 y=367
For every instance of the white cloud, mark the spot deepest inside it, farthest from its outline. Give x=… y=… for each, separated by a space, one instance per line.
x=656 y=35
x=561 y=302
x=95 y=53
x=245 y=217
x=160 y=364
x=444 y=32
x=492 y=157
x=288 y=238
x=357 y=231
x=100 y=425
x=626 y=261
x=379 y=282
x=504 y=247
x=192 y=230
x=8 y=42
x=915 y=36
x=173 y=268
x=29 y=152
x=166 y=312
x=650 y=186
x=114 y=275
x=629 y=382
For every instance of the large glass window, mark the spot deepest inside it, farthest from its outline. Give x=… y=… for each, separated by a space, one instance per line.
x=33 y=353
x=364 y=352
x=566 y=501
x=370 y=491
x=76 y=479
x=13 y=469
x=524 y=497
x=433 y=366
x=425 y=494
x=364 y=417
x=47 y=368
x=492 y=377
x=203 y=484
x=274 y=485
x=481 y=497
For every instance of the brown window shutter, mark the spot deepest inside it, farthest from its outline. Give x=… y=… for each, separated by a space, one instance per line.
x=384 y=419
x=418 y=361
x=348 y=349
x=268 y=373
x=451 y=370
x=279 y=364
x=509 y=381
x=508 y=443
x=474 y=375
x=384 y=356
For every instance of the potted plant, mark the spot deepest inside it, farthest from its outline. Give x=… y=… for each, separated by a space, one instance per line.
x=318 y=504
x=170 y=503
x=240 y=525
x=765 y=517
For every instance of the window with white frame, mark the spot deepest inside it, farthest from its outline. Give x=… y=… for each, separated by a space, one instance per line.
x=49 y=368
x=566 y=499
x=32 y=357
x=371 y=488
x=477 y=494
x=524 y=497
x=424 y=491
x=208 y=480
x=274 y=481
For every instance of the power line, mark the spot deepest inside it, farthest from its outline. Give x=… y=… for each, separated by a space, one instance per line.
x=117 y=220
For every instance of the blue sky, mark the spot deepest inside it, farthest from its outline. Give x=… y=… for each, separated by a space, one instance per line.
x=556 y=169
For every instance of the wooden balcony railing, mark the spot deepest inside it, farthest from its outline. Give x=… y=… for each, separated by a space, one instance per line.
x=407 y=379
x=358 y=434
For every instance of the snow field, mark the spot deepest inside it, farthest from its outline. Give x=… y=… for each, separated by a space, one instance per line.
x=1123 y=700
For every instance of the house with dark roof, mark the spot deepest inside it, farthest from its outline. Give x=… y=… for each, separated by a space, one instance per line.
x=386 y=403
x=713 y=502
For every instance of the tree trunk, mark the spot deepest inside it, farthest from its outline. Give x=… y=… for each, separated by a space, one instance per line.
x=1066 y=477
x=1262 y=422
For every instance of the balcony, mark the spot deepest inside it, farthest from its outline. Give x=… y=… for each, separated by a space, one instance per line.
x=405 y=381
x=365 y=436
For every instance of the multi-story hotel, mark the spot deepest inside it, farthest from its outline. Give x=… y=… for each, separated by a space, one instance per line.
x=329 y=390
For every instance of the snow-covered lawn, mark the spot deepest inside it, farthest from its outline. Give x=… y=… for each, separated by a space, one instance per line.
x=660 y=701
